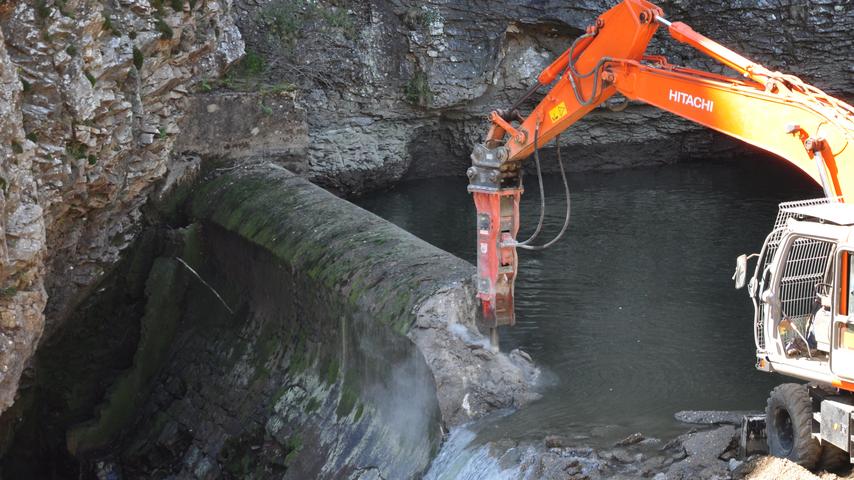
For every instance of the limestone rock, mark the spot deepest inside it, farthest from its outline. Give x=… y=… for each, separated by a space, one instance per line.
x=399 y=89
x=90 y=97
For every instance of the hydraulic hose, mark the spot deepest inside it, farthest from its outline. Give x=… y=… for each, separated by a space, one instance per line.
x=568 y=207
x=542 y=191
x=572 y=74
x=524 y=97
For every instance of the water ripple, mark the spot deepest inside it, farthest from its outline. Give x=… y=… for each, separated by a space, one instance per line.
x=634 y=311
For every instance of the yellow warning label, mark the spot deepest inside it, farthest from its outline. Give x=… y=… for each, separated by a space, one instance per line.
x=557 y=112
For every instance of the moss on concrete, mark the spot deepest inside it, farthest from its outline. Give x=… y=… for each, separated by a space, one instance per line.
x=372 y=264
x=313 y=405
x=294 y=448
x=164 y=289
x=350 y=393
x=357 y=278
x=323 y=294
x=330 y=370
x=192 y=251
x=73 y=371
x=359 y=411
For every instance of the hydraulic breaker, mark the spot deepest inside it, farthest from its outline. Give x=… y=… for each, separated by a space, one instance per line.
x=496 y=187
x=497 y=226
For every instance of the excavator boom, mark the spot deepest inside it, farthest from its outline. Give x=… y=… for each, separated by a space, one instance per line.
x=770 y=110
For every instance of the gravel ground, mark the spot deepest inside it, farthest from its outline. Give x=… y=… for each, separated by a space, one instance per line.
x=772 y=468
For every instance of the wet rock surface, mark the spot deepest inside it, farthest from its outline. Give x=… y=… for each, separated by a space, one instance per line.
x=695 y=455
x=705 y=453
x=472 y=378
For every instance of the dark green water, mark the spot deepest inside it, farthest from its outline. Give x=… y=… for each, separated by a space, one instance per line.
x=633 y=314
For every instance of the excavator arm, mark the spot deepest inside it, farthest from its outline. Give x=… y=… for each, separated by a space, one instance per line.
x=776 y=112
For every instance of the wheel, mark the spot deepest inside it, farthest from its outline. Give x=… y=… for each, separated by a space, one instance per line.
x=833 y=458
x=788 y=420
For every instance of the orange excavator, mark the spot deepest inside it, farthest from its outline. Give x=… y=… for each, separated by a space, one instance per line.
x=802 y=285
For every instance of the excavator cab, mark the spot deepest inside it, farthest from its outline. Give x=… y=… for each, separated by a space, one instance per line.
x=802 y=289
x=796 y=283
x=801 y=273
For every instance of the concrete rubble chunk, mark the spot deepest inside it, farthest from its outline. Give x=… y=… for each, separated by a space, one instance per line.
x=711 y=417
x=708 y=443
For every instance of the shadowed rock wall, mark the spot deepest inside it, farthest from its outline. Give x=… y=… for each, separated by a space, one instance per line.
x=340 y=346
x=294 y=384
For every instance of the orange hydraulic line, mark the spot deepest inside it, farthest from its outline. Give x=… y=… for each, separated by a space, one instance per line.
x=685 y=34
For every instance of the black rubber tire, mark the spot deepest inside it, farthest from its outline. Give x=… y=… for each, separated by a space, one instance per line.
x=833 y=458
x=788 y=420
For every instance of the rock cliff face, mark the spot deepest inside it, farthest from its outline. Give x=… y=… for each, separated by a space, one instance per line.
x=399 y=89
x=22 y=240
x=91 y=95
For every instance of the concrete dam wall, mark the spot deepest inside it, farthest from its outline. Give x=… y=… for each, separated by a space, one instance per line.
x=287 y=333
